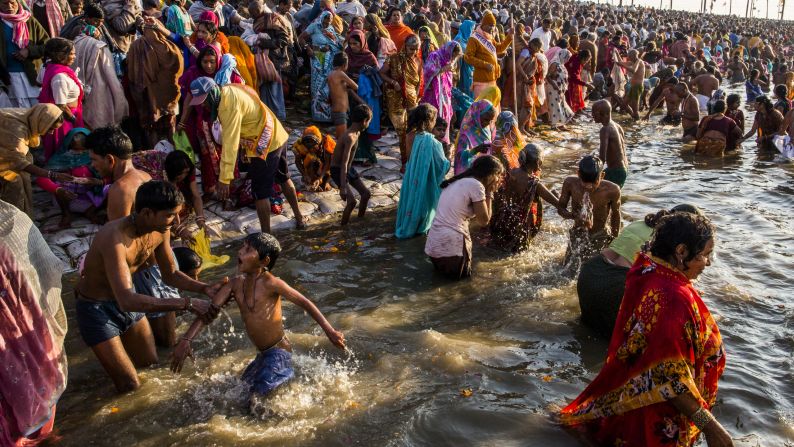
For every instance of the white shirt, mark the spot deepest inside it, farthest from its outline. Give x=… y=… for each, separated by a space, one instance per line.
x=64 y=89
x=544 y=36
x=449 y=233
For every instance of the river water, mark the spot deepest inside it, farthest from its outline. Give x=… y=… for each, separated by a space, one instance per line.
x=484 y=362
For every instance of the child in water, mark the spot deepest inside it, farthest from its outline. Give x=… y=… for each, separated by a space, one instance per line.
x=258 y=293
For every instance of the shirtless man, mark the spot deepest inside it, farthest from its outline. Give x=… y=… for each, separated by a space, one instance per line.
x=613 y=144
x=690 y=112
x=593 y=202
x=705 y=85
x=636 y=67
x=110 y=150
x=109 y=311
x=340 y=85
x=738 y=70
x=672 y=103
x=343 y=173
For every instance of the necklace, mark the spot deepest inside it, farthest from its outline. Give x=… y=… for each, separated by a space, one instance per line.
x=250 y=298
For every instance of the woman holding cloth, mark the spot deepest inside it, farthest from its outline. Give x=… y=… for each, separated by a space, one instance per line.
x=439 y=73
x=325 y=44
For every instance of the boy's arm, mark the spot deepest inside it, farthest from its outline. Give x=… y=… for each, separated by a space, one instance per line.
x=351 y=84
x=183 y=348
x=565 y=196
x=614 y=213
x=292 y=295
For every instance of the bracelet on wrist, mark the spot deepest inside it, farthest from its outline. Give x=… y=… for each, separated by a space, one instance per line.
x=702 y=418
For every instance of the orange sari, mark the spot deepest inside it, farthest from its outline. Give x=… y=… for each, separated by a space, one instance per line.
x=665 y=343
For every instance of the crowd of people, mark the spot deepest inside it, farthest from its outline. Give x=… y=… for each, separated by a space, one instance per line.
x=114 y=107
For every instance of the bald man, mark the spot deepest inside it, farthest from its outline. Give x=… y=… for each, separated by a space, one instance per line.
x=690 y=112
x=613 y=144
x=636 y=67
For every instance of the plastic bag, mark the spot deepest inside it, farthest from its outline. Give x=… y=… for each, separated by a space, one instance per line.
x=785 y=146
x=202 y=248
x=182 y=143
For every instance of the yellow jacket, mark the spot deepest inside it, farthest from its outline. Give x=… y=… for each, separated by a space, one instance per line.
x=243 y=115
x=479 y=57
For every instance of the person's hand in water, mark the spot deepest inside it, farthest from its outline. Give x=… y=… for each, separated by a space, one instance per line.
x=336 y=337
x=182 y=350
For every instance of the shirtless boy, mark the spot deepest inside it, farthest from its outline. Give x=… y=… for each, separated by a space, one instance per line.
x=343 y=173
x=340 y=85
x=636 y=67
x=110 y=150
x=593 y=202
x=109 y=311
x=690 y=112
x=258 y=294
x=613 y=144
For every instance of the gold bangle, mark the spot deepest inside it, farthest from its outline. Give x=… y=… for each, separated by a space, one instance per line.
x=702 y=418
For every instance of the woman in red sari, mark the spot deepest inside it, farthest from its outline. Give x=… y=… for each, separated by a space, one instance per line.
x=665 y=357
x=575 y=94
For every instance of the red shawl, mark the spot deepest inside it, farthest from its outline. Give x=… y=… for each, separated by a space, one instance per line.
x=356 y=61
x=665 y=343
x=398 y=34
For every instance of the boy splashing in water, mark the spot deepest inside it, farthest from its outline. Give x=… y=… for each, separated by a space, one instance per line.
x=258 y=295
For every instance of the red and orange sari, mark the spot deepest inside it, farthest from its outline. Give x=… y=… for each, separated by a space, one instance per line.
x=665 y=343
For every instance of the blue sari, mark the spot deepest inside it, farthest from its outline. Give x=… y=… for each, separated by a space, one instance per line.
x=466 y=71
x=421 y=188
x=322 y=64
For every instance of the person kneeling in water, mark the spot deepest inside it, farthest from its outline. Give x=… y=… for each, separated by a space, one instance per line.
x=258 y=295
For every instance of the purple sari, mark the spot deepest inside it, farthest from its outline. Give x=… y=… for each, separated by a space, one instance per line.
x=438 y=85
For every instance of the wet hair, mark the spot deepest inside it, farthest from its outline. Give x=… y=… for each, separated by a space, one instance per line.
x=653 y=219
x=763 y=99
x=187 y=259
x=590 y=168
x=57 y=49
x=340 y=59
x=719 y=106
x=266 y=246
x=110 y=140
x=93 y=11
x=157 y=195
x=734 y=98
x=482 y=168
x=420 y=117
x=781 y=91
x=360 y=113
x=530 y=157
x=692 y=230
x=584 y=54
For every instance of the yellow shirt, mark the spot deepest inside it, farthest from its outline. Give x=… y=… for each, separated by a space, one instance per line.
x=243 y=115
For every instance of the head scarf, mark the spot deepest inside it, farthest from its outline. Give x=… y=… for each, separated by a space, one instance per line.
x=356 y=61
x=562 y=56
x=464 y=33
x=410 y=69
x=472 y=133
x=64 y=159
x=381 y=30
x=209 y=16
x=431 y=35
x=20 y=131
x=40 y=119
x=19 y=23
x=439 y=59
x=510 y=139
x=492 y=94
x=488 y=18
x=323 y=36
x=225 y=69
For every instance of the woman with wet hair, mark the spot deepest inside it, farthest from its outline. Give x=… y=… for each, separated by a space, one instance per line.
x=766 y=124
x=666 y=355
x=464 y=197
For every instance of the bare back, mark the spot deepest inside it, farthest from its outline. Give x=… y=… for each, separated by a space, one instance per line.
x=121 y=194
x=338 y=83
x=613 y=146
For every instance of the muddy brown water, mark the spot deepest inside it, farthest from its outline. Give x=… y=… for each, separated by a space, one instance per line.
x=484 y=362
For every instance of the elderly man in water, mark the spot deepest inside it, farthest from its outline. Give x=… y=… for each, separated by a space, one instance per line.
x=110 y=314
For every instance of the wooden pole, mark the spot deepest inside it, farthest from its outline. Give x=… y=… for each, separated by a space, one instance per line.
x=515 y=69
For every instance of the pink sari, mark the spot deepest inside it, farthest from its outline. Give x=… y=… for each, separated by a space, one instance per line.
x=52 y=142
